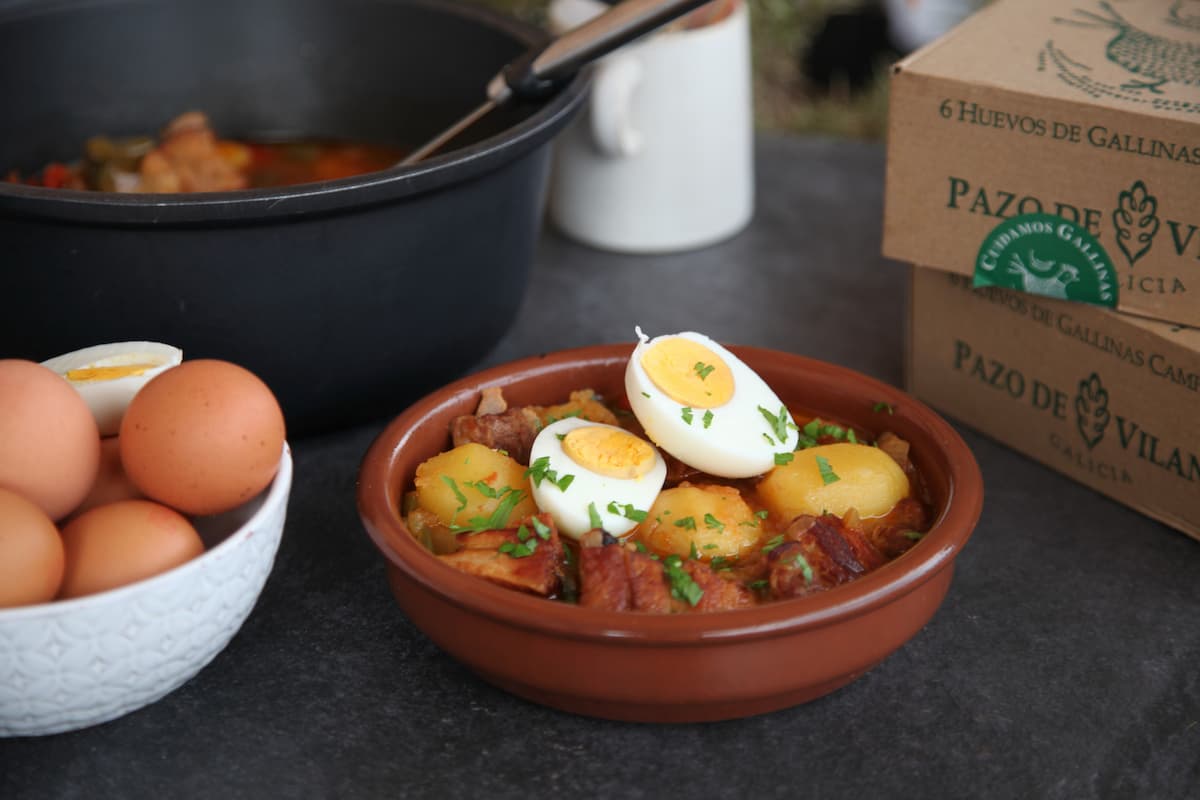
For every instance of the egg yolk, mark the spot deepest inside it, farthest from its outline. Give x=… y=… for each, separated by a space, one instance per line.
x=688 y=373
x=609 y=452
x=108 y=373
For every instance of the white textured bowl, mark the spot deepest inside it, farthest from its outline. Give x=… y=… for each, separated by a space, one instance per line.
x=73 y=663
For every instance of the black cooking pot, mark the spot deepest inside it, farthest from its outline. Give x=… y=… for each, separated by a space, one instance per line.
x=348 y=297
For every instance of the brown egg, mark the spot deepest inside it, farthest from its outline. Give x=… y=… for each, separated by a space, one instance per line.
x=31 y=553
x=203 y=437
x=119 y=543
x=51 y=443
x=111 y=484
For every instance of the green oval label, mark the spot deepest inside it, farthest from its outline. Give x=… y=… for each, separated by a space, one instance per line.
x=1047 y=255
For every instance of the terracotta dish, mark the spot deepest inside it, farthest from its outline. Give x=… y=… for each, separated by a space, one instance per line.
x=671 y=668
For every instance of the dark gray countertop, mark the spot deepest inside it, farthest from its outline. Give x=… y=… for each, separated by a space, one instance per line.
x=1065 y=661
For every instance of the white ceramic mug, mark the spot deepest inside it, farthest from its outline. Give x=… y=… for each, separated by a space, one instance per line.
x=662 y=157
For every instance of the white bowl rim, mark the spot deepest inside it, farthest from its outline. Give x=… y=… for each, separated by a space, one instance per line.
x=276 y=494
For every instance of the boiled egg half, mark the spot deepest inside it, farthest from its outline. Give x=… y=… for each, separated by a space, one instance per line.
x=107 y=376
x=589 y=475
x=703 y=405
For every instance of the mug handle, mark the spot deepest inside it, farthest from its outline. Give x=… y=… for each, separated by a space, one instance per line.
x=613 y=131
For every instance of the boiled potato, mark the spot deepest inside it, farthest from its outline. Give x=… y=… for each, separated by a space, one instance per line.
x=469 y=482
x=834 y=478
x=712 y=520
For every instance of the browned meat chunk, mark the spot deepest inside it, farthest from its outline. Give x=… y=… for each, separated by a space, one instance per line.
x=900 y=529
x=647 y=588
x=618 y=578
x=515 y=558
x=819 y=553
x=188 y=159
x=512 y=431
x=719 y=594
x=897 y=448
x=603 y=579
x=791 y=573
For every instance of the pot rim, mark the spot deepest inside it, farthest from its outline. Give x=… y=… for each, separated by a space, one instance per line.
x=378 y=504
x=247 y=205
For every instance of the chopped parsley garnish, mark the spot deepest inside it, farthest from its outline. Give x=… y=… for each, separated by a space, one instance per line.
x=801 y=563
x=762 y=514
x=703 y=370
x=687 y=523
x=850 y=437
x=805 y=442
x=627 y=511
x=542 y=529
x=641 y=548
x=560 y=436
x=812 y=428
x=916 y=536
x=778 y=423
x=693 y=553
x=717 y=564
x=523 y=533
x=522 y=549
x=759 y=585
x=836 y=431
x=710 y=546
x=770 y=441
x=540 y=471
x=772 y=543
x=594 y=516
x=828 y=476
x=498 y=520
x=484 y=489
x=882 y=406
x=708 y=418
x=712 y=523
x=682 y=585
x=462 y=498
x=645 y=394
x=686 y=413
x=783 y=458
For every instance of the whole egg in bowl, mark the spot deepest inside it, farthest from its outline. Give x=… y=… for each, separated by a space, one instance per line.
x=129 y=568
x=757 y=647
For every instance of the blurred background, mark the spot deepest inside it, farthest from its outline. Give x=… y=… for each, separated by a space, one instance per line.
x=821 y=66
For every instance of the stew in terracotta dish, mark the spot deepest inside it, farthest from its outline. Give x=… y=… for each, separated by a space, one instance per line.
x=698 y=490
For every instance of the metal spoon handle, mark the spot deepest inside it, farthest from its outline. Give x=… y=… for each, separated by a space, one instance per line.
x=539 y=71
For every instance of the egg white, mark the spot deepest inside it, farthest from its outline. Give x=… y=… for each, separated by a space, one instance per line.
x=569 y=507
x=738 y=442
